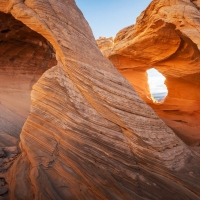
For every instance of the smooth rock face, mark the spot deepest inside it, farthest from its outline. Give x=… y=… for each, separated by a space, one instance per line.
x=88 y=134
x=165 y=37
x=24 y=56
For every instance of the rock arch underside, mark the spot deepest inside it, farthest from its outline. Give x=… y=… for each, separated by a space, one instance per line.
x=88 y=134
x=25 y=56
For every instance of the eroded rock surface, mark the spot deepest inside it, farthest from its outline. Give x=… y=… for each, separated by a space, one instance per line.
x=88 y=134
x=105 y=44
x=165 y=37
x=24 y=56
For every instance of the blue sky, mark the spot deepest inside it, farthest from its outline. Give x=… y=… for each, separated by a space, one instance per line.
x=156 y=82
x=107 y=17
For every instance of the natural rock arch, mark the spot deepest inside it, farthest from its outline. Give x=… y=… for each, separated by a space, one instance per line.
x=24 y=57
x=88 y=134
x=165 y=37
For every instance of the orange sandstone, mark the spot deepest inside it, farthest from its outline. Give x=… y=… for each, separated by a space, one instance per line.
x=88 y=134
x=165 y=37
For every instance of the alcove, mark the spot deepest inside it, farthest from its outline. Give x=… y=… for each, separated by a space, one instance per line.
x=24 y=56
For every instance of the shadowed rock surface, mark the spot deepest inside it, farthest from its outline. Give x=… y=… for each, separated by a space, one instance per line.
x=24 y=56
x=165 y=37
x=88 y=134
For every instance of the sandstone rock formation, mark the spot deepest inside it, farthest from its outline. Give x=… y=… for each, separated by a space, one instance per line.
x=165 y=37
x=105 y=44
x=88 y=134
x=25 y=56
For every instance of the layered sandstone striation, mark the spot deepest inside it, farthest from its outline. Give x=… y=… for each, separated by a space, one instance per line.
x=24 y=56
x=165 y=37
x=88 y=134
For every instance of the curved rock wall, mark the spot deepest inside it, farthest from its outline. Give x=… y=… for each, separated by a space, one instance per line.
x=165 y=37
x=88 y=134
x=24 y=57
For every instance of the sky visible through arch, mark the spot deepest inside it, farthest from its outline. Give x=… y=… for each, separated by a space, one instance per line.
x=107 y=17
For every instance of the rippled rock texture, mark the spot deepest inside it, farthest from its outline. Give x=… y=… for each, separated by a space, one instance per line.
x=88 y=134
x=165 y=37
x=24 y=56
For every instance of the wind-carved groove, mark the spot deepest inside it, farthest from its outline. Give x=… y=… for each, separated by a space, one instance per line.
x=88 y=134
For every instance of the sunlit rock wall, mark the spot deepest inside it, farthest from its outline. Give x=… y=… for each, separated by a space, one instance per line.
x=88 y=134
x=165 y=37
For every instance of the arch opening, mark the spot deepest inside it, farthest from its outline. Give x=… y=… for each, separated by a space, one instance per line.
x=24 y=56
x=157 y=85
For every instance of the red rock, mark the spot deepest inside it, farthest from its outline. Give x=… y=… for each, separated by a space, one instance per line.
x=165 y=37
x=25 y=56
x=3 y=190
x=88 y=134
